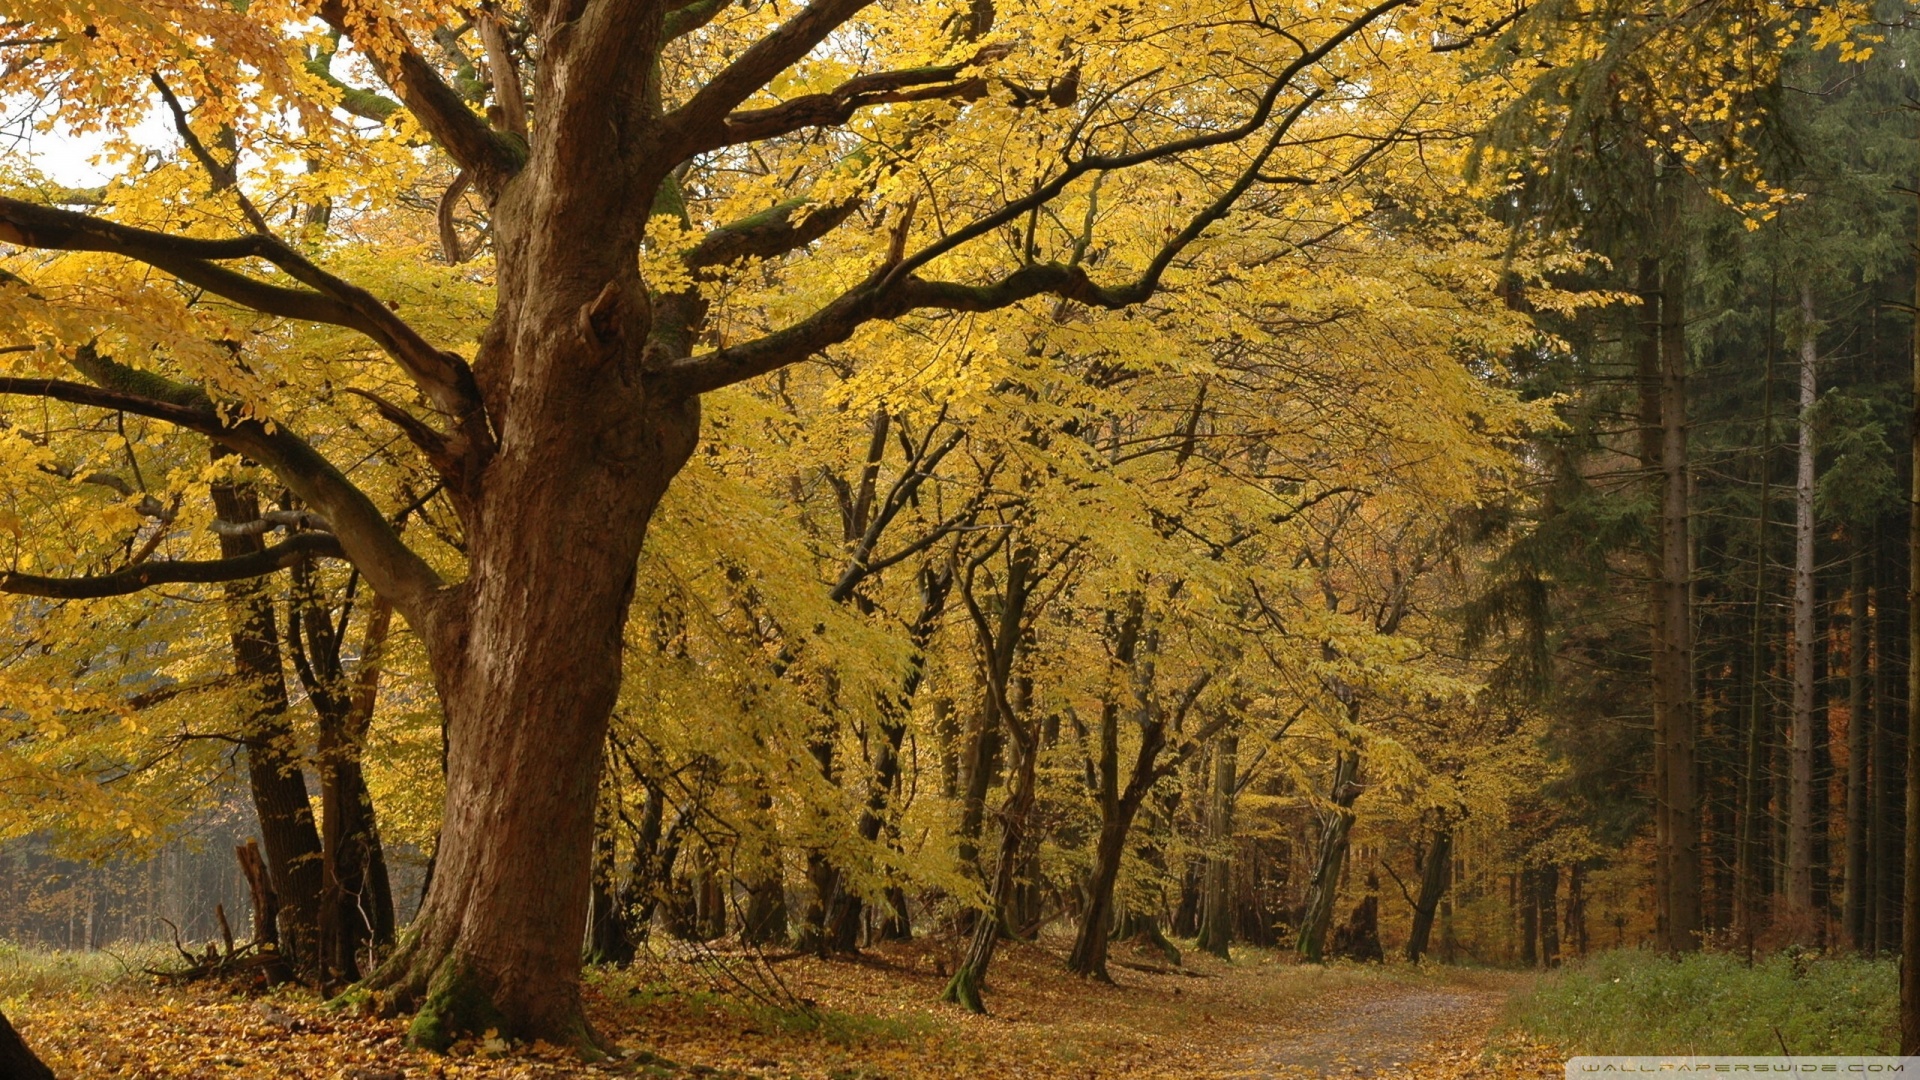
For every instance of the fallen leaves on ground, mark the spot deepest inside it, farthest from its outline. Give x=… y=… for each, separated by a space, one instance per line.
x=711 y=1013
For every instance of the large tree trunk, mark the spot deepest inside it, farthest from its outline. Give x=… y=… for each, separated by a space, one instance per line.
x=526 y=658
x=17 y=1062
x=1800 y=753
x=1325 y=883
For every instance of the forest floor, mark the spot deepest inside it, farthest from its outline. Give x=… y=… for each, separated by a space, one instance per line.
x=713 y=1014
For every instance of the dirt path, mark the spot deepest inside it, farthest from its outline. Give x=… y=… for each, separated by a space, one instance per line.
x=1384 y=1033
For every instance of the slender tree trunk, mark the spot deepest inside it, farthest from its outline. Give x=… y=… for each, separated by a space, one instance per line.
x=844 y=914
x=1216 y=896
x=1910 y=891
x=1881 y=791
x=356 y=901
x=609 y=939
x=1750 y=852
x=287 y=831
x=1433 y=885
x=1089 y=955
x=1652 y=458
x=764 y=922
x=1854 y=910
x=1325 y=883
x=970 y=977
x=1529 y=900
x=1683 y=805
x=1800 y=757
x=1547 y=898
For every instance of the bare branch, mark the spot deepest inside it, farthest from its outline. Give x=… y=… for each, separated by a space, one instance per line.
x=295 y=549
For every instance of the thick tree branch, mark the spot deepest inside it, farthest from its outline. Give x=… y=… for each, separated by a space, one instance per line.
x=689 y=15
x=706 y=112
x=294 y=549
x=365 y=104
x=773 y=232
x=490 y=157
x=838 y=105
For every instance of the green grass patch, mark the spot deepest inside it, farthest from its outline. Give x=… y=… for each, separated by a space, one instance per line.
x=29 y=973
x=1636 y=1002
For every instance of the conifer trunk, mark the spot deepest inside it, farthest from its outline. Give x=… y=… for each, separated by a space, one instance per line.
x=1800 y=752
x=1910 y=879
x=1854 y=909
x=1750 y=849
x=1675 y=673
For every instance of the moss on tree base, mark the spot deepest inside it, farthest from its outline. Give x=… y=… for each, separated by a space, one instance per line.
x=456 y=1004
x=963 y=989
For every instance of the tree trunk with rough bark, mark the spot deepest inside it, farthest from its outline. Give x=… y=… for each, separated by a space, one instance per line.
x=845 y=912
x=970 y=976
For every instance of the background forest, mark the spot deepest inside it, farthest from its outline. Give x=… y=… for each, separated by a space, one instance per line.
x=1485 y=541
